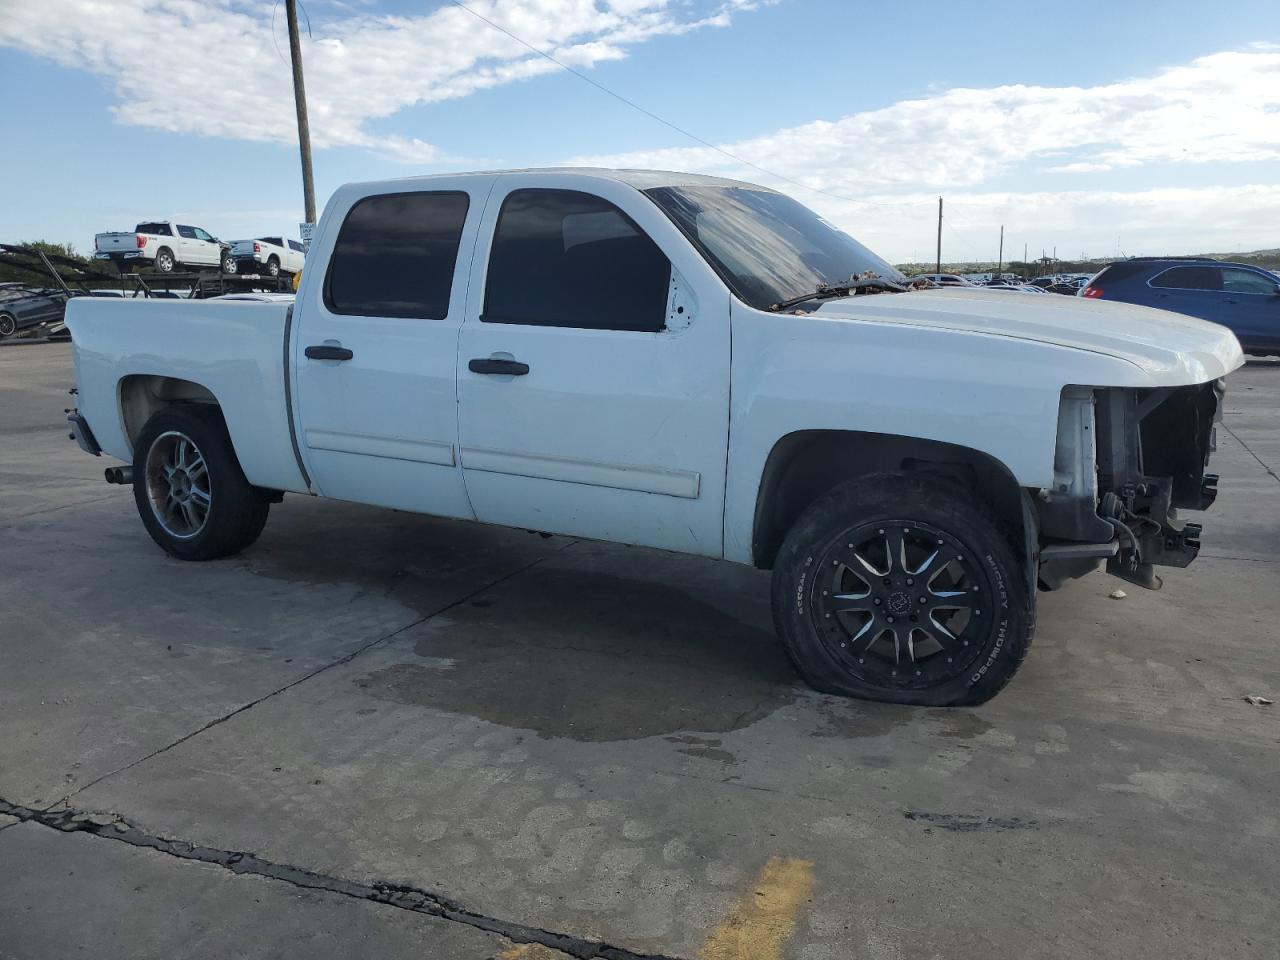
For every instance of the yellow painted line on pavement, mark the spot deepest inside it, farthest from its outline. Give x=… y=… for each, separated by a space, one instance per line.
x=762 y=920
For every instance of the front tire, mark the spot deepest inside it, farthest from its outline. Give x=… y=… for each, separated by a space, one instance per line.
x=191 y=494
x=8 y=325
x=905 y=589
x=229 y=264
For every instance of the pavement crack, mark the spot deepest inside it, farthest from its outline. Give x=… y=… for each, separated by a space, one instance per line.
x=1249 y=450
x=399 y=896
x=346 y=658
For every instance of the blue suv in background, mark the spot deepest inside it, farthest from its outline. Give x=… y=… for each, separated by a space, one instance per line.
x=1243 y=298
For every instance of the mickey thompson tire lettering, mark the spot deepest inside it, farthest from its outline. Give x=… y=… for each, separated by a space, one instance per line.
x=934 y=655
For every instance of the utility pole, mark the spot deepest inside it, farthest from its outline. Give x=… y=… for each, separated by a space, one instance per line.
x=939 y=265
x=1000 y=258
x=300 y=101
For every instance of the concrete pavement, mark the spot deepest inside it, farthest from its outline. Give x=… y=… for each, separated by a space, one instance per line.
x=602 y=749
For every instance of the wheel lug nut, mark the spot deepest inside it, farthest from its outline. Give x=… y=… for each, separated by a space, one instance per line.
x=924 y=599
x=876 y=601
x=910 y=582
x=890 y=619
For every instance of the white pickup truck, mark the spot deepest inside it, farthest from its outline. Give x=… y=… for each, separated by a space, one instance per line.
x=270 y=255
x=164 y=245
x=688 y=363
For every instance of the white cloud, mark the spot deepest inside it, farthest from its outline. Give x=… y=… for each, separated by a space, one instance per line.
x=1215 y=110
x=1219 y=108
x=177 y=64
x=1098 y=223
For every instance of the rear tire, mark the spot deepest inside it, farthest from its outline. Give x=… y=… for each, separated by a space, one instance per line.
x=164 y=260
x=273 y=267
x=191 y=494
x=905 y=589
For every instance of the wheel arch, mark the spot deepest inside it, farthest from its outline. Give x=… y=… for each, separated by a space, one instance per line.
x=804 y=465
x=142 y=396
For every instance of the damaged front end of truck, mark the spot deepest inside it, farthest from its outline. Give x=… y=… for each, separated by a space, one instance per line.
x=1127 y=460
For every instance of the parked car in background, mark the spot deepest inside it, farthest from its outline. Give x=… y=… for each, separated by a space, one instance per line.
x=1243 y=298
x=944 y=279
x=164 y=245
x=1014 y=287
x=912 y=464
x=23 y=306
x=270 y=255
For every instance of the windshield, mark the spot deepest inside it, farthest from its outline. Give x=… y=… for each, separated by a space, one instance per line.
x=766 y=246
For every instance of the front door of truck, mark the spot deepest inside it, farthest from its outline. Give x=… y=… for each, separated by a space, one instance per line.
x=375 y=349
x=593 y=370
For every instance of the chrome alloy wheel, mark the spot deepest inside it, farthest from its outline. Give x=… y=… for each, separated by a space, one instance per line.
x=177 y=481
x=900 y=603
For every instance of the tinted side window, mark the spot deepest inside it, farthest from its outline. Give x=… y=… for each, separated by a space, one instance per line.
x=395 y=255
x=295 y=245
x=1189 y=278
x=187 y=232
x=1246 y=281
x=202 y=234
x=562 y=258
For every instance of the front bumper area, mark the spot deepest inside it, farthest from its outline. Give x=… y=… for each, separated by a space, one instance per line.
x=1127 y=461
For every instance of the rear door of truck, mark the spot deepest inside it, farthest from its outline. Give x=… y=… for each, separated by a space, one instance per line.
x=374 y=346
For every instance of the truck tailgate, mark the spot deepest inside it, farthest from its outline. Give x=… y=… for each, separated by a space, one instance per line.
x=116 y=242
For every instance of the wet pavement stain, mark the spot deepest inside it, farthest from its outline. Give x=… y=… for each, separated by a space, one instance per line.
x=704 y=748
x=593 y=657
x=855 y=719
x=960 y=724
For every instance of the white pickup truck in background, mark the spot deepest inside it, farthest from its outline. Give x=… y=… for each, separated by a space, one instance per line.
x=164 y=245
x=688 y=363
x=269 y=255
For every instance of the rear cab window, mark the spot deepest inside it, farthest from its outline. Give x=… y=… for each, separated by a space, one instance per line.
x=157 y=229
x=395 y=256
x=563 y=258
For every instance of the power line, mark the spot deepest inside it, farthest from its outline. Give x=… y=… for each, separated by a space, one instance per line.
x=667 y=123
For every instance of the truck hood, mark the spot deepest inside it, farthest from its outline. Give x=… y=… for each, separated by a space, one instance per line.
x=1170 y=348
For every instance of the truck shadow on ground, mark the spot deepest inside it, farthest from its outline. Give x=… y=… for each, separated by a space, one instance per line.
x=576 y=645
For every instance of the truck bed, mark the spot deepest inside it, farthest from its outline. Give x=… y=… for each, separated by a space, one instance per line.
x=233 y=349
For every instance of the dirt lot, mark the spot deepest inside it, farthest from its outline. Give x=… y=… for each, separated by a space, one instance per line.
x=377 y=734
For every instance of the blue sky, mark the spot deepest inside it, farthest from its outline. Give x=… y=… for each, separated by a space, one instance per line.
x=1103 y=129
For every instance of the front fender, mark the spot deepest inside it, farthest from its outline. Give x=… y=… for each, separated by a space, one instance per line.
x=995 y=395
